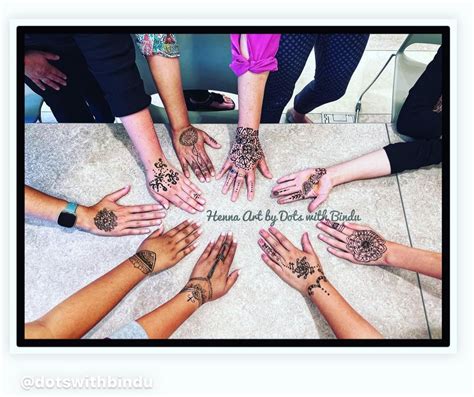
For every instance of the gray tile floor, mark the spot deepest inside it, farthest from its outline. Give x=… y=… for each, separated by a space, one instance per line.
x=85 y=162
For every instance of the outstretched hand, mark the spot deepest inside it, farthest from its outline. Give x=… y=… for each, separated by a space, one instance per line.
x=245 y=156
x=312 y=183
x=109 y=218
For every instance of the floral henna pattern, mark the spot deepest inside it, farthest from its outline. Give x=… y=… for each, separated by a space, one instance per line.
x=164 y=177
x=189 y=137
x=246 y=151
x=196 y=290
x=301 y=268
x=317 y=284
x=366 y=245
x=105 y=220
x=312 y=181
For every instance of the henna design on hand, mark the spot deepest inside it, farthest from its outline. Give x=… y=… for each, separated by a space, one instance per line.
x=189 y=137
x=105 y=220
x=246 y=151
x=196 y=291
x=301 y=268
x=312 y=181
x=220 y=257
x=270 y=251
x=317 y=282
x=366 y=245
x=144 y=261
x=334 y=225
x=164 y=177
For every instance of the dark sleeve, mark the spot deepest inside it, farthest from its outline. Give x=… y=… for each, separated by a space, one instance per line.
x=413 y=155
x=111 y=59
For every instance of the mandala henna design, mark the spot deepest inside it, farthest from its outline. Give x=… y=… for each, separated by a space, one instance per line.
x=188 y=137
x=196 y=291
x=246 y=151
x=164 y=178
x=301 y=268
x=144 y=261
x=105 y=220
x=366 y=245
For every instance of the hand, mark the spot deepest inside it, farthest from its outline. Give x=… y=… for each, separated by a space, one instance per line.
x=109 y=218
x=160 y=251
x=41 y=72
x=355 y=243
x=210 y=278
x=166 y=185
x=189 y=146
x=245 y=155
x=312 y=183
x=301 y=269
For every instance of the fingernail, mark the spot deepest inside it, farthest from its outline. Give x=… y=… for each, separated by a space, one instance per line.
x=195 y=245
x=234 y=241
x=201 y=208
x=229 y=233
x=199 y=231
x=147 y=230
x=212 y=241
x=260 y=241
x=157 y=222
x=199 y=224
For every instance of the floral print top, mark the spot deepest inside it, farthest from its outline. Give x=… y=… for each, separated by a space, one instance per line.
x=158 y=44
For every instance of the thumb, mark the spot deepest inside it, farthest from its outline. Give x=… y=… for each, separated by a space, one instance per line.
x=231 y=280
x=211 y=141
x=158 y=232
x=318 y=200
x=115 y=196
x=306 y=244
x=49 y=55
x=263 y=167
x=163 y=201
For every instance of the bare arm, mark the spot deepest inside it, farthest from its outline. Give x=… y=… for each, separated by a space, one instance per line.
x=41 y=205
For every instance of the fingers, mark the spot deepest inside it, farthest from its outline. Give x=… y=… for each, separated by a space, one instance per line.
x=50 y=56
x=231 y=280
x=297 y=196
x=340 y=227
x=209 y=140
x=281 y=238
x=187 y=203
x=39 y=84
x=51 y=83
x=272 y=265
x=57 y=79
x=286 y=178
x=217 y=246
x=187 y=182
x=188 y=235
x=332 y=232
x=117 y=195
x=273 y=242
x=333 y=242
x=341 y=254
x=198 y=169
x=250 y=185
x=285 y=188
x=184 y=167
x=239 y=181
x=186 y=251
x=231 y=175
x=224 y=169
x=193 y=194
x=209 y=165
x=172 y=232
x=161 y=200
x=205 y=254
x=306 y=244
x=133 y=231
x=230 y=255
x=158 y=232
x=263 y=167
x=355 y=226
x=269 y=251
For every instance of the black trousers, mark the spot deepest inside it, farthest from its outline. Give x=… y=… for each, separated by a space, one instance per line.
x=82 y=100
x=419 y=120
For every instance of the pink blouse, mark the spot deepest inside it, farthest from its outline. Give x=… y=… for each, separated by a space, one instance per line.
x=262 y=49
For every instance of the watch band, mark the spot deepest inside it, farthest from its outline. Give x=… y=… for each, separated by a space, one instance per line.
x=70 y=208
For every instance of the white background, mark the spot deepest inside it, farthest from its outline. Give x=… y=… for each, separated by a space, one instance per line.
x=275 y=374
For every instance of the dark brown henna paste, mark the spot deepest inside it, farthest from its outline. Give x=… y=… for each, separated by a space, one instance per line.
x=164 y=177
x=198 y=289
x=312 y=181
x=246 y=151
x=144 y=261
x=366 y=245
x=301 y=268
x=105 y=220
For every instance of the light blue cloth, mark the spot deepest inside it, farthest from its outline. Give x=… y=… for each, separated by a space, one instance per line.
x=132 y=330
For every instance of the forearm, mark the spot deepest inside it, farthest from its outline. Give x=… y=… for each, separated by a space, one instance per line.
x=371 y=165
x=140 y=128
x=162 y=322
x=341 y=317
x=416 y=260
x=41 y=205
x=167 y=77
x=75 y=316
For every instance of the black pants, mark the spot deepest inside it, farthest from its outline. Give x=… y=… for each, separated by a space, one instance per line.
x=82 y=100
x=419 y=120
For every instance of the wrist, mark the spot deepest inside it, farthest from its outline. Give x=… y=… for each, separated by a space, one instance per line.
x=177 y=129
x=391 y=254
x=83 y=218
x=336 y=174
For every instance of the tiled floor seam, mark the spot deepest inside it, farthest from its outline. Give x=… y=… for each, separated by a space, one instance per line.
x=411 y=245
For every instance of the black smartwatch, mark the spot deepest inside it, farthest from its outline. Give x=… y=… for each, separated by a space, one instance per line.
x=67 y=217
